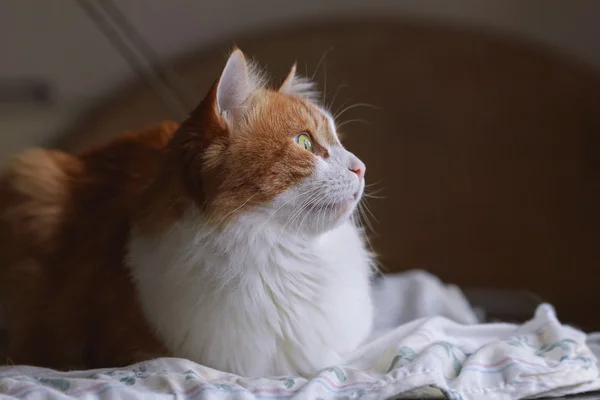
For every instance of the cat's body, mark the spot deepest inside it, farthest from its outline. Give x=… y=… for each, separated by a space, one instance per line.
x=191 y=241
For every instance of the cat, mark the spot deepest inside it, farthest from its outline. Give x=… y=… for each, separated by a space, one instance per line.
x=227 y=240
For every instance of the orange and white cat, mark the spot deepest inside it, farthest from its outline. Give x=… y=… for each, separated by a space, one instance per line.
x=227 y=240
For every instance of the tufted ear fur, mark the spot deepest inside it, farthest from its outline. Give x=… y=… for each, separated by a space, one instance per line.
x=299 y=86
x=238 y=82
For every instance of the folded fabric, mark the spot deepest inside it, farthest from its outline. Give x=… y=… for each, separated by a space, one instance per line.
x=401 y=298
x=429 y=357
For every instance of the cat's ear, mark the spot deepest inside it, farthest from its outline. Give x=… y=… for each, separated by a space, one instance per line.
x=299 y=86
x=237 y=84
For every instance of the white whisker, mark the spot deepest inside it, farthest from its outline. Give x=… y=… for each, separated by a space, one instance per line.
x=316 y=202
x=350 y=107
x=342 y=86
x=312 y=78
x=339 y=126
x=366 y=205
x=298 y=211
x=287 y=202
x=240 y=206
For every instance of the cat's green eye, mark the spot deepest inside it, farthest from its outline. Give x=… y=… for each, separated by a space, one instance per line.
x=304 y=141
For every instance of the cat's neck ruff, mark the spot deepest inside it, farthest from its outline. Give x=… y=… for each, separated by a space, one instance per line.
x=252 y=299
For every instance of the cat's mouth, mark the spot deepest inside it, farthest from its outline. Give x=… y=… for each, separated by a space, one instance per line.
x=355 y=197
x=346 y=204
x=343 y=205
x=352 y=198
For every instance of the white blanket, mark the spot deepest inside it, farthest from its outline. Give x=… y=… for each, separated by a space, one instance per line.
x=449 y=355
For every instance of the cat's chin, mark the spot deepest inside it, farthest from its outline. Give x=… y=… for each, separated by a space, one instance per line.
x=340 y=211
x=322 y=218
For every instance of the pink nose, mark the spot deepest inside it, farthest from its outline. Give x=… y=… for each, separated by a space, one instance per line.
x=358 y=167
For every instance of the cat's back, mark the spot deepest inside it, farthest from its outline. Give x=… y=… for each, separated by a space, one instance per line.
x=42 y=191
x=64 y=223
x=34 y=189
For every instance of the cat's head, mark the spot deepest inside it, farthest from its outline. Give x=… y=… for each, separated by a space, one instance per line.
x=273 y=154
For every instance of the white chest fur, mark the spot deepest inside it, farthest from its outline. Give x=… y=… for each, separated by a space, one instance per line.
x=253 y=301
